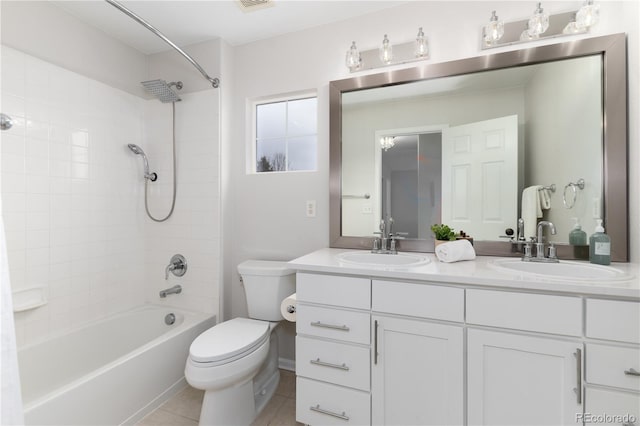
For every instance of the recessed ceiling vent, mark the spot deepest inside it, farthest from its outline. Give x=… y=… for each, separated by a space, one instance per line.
x=253 y=5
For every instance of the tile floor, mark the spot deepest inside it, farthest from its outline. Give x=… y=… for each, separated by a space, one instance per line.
x=184 y=408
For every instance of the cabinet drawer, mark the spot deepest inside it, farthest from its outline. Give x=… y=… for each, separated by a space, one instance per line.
x=419 y=300
x=606 y=365
x=338 y=363
x=522 y=311
x=349 y=292
x=613 y=320
x=607 y=406
x=333 y=323
x=320 y=403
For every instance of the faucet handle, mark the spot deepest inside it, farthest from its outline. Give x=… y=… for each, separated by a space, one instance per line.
x=177 y=266
x=552 y=251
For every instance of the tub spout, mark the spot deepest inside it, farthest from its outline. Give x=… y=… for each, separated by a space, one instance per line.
x=173 y=290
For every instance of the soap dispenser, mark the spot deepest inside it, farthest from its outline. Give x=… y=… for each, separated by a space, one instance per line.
x=600 y=246
x=577 y=237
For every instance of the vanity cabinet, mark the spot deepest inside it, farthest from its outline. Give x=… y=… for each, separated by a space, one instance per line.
x=523 y=380
x=333 y=350
x=612 y=370
x=515 y=376
x=392 y=352
x=417 y=364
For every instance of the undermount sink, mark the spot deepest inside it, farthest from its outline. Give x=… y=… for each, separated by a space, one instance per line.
x=384 y=260
x=564 y=270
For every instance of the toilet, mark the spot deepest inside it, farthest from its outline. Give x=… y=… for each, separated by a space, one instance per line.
x=236 y=362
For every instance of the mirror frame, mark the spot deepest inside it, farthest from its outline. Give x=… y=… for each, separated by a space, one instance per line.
x=613 y=50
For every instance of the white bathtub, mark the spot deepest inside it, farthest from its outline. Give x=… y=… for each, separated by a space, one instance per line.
x=113 y=371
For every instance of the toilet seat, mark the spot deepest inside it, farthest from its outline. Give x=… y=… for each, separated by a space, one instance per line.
x=228 y=341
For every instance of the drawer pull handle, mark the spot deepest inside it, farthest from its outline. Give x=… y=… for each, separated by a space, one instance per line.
x=331 y=326
x=328 y=364
x=632 y=372
x=578 y=388
x=317 y=409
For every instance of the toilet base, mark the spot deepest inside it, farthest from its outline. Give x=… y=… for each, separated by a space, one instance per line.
x=230 y=406
x=241 y=404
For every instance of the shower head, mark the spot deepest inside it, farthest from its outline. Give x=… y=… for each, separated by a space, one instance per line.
x=162 y=90
x=138 y=151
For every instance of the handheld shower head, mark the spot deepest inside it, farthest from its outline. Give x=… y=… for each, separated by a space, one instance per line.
x=138 y=151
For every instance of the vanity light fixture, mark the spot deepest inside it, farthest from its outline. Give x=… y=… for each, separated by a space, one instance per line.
x=388 y=54
x=539 y=22
x=588 y=15
x=540 y=26
x=387 y=142
x=422 y=47
x=493 y=31
x=353 y=60
x=386 y=51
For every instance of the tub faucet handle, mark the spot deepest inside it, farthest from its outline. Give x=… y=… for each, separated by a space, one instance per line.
x=177 y=266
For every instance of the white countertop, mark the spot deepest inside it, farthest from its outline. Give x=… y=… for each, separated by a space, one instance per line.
x=478 y=272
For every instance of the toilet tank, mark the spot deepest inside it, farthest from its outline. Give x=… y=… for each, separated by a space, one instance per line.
x=266 y=284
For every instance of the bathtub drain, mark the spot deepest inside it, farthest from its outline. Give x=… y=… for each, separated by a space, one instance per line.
x=169 y=319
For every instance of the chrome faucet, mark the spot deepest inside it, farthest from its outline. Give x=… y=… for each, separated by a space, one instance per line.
x=177 y=266
x=539 y=243
x=176 y=289
x=386 y=242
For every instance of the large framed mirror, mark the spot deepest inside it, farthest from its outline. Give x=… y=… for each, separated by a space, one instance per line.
x=479 y=143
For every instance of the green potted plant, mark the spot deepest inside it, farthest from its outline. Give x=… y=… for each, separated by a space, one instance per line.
x=443 y=233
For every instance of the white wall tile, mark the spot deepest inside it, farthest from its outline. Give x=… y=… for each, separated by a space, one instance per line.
x=73 y=196
x=62 y=231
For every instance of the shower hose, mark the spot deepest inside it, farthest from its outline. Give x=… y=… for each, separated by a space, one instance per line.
x=146 y=181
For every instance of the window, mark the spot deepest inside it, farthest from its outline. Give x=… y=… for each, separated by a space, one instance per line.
x=286 y=134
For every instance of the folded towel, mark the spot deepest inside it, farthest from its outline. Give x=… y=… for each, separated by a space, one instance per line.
x=545 y=199
x=530 y=210
x=454 y=251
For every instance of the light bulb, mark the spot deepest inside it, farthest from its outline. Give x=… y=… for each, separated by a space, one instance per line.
x=386 y=54
x=539 y=22
x=353 y=60
x=494 y=30
x=572 y=27
x=422 y=48
x=526 y=34
x=588 y=15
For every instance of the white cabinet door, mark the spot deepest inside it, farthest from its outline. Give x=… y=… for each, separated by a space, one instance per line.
x=417 y=373
x=523 y=380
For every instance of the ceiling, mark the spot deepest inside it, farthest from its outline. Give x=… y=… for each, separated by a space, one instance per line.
x=188 y=22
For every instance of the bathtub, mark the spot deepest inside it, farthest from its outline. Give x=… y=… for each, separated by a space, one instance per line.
x=110 y=372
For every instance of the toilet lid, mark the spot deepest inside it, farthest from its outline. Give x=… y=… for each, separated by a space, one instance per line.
x=228 y=339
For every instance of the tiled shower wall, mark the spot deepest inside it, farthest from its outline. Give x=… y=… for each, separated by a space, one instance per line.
x=193 y=229
x=72 y=197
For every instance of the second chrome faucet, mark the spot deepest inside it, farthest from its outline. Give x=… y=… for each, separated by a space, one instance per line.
x=541 y=256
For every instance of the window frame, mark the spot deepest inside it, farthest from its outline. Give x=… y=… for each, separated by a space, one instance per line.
x=252 y=148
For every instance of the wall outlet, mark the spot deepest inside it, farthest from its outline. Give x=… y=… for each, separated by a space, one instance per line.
x=311 y=208
x=367 y=209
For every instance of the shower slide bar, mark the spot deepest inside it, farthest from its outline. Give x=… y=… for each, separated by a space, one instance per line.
x=214 y=81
